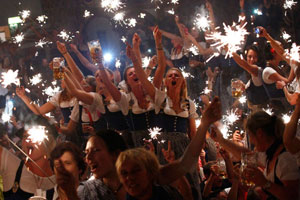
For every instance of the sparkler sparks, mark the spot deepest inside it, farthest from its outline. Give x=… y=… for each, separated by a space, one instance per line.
x=131 y=22
x=294 y=53
x=286 y=36
x=268 y=110
x=171 y=12
x=42 y=19
x=10 y=77
x=243 y=99
x=186 y=74
x=112 y=5
x=142 y=15
x=24 y=14
x=231 y=117
x=286 y=118
x=37 y=134
x=288 y=4
x=154 y=132
x=146 y=61
x=51 y=91
x=123 y=39
x=65 y=36
x=194 y=50
x=233 y=38
x=5 y=117
x=175 y=2
x=18 y=38
x=118 y=64
x=42 y=42
x=87 y=14
x=36 y=79
x=202 y=22
x=119 y=17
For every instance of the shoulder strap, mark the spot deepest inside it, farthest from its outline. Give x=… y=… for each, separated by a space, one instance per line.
x=80 y=114
x=19 y=172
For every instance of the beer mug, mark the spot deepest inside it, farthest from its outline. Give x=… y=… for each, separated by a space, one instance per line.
x=222 y=168
x=237 y=87
x=248 y=159
x=95 y=51
x=58 y=64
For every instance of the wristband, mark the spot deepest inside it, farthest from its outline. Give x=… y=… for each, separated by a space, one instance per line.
x=159 y=48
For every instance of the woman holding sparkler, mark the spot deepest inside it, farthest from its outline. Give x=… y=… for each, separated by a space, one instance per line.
x=33 y=176
x=280 y=179
x=176 y=111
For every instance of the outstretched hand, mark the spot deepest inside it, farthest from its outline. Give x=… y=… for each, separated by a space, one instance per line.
x=20 y=91
x=213 y=112
x=136 y=41
x=157 y=35
x=61 y=47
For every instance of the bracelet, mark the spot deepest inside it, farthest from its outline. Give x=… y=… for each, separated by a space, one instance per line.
x=159 y=48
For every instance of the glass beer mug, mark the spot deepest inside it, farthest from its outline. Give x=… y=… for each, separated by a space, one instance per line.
x=95 y=51
x=58 y=64
x=237 y=87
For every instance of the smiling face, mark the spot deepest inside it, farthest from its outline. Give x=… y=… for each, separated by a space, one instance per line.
x=252 y=57
x=99 y=159
x=135 y=179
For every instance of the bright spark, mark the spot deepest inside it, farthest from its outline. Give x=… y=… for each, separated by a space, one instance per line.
x=286 y=36
x=202 y=22
x=294 y=53
x=24 y=14
x=119 y=17
x=194 y=50
x=42 y=42
x=18 y=38
x=175 y=2
x=142 y=15
x=171 y=12
x=243 y=99
x=150 y=78
x=5 y=117
x=36 y=79
x=10 y=77
x=37 y=134
x=198 y=122
x=131 y=22
x=233 y=38
x=112 y=5
x=268 y=110
x=42 y=19
x=224 y=130
x=123 y=39
x=231 y=117
x=65 y=36
x=87 y=14
x=154 y=132
x=51 y=91
x=288 y=4
x=206 y=90
x=186 y=74
x=146 y=61
x=286 y=118
x=118 y=64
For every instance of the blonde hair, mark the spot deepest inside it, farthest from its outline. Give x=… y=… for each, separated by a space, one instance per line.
x=143 y=158
x=183 y=90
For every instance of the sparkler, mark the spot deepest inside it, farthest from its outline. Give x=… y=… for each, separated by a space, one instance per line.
x=233 y=38
x=112 y=5
x=171 y=12
x=87 y=14
x=65 y=36
x=24 y=14
x=18 y=38
x=119 y=18
x=286 y=118
x=268 y=110
x=51 y=91
x=286 y=36
x=202 y=22
x=5 y=117
x=42 y=19
x=293 y=53
x=42 y=42
x=142 y=15
x=36 y=79
x=37 y=134
x=194 y=50
x=118 y=64
x=154 y=132
x=131 y=22
x=186 y=74
x=123 y=39
x=10 y=77
x=231 y=117
x=206 y=90
x=175 y=2
x=243 y=99
x=146 y=61
x=288 y=4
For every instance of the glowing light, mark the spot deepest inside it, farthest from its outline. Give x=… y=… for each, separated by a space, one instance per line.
x=37 y=134
x=87 y=14
x=36 y=79
x=65 y=36
x=131 y=22
x=42 y=42
x=24 y=14
x=175 y=2
x=171 y=12
x=154 y=132
x=118 y=64
x=142 y=15
x=198 y=122
x=51 y=91
x=288 y=4
x=119 y=17
x=146 y=61
x=107 y=57
x=224 y=129
x=257 y=11
x=268 y=110
x=5 y=117
x=206 y=90
x=186 y=74
x=243 y=99
x=233 y=38
x=231 y=117
x=286 y=118
x=294 y=53
x=194 y=50
x=286 y=36
x=112 y=5
x=123 y=39
x=42 y=19
x=18 y=38
x=10 y=77
x=202 y=22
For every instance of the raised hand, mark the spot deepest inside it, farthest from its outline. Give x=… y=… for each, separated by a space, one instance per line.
x=20 y=91
x=213 y=112
x=169 y=154
x=136 y=41
x=157 y=35
x=130 y=53
x=61 y=47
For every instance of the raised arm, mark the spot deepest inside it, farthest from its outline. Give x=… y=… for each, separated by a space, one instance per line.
x=211 y=15
x=166 y=34
x=47 y=107
x=76 y=90
x=84 y=61
x=74 y=68
x=140 y=72
x=202 y=51
x=173 y=171
x=251 y=69
x=291 y=142
x=159 y=74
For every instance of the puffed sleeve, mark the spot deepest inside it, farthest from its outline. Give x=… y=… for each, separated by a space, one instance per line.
x=97 y=103
x=55 y=100
x=159 y=98
x=75 y=112
x=124 y=103
x=287 y=168
x=193 y=113
x=267 y=72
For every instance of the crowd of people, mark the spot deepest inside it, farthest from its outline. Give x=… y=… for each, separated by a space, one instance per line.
x=153 y=133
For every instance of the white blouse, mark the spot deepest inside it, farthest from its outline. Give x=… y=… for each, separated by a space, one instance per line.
x=63 y=104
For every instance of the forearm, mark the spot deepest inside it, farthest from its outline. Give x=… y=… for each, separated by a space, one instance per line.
x=34 y=108
x=159 y=74
x=85 y=62
x=253 y=70
x=115 y=93
x=170 y=35
x=291 y=142
x=233 y=193
x=233 y=148
x=74 y=68
x=208 y=186
x=291 y=98
x=276 y=46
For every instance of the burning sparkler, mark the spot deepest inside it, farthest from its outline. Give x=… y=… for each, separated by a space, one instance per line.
x=51 y=91
x=123 y=39
x=154 y=132
x=146 y=61
x=119 y=18
x=288 y=4
x=186 y=74
x=10 y=77
x=37 y=134
x=171 y=12
x=36 y=79
x=131 y=22
x=118 y=64
x=243 y=99
x=65 y=36
x=286 y=118
x=142 y=15
x=294 y=53
x=42 y=19
x=87 y=14
x=42 y=42
x=112 y=5
x=24 y=14
x=286 y=36
x=268 y=110
x=18 y=38
x=233 y=38
x=231 y=117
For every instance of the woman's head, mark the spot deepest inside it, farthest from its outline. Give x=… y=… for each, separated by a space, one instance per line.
x=71 y=158
x=102 y=151
x=100 y=85
x=89 y=84
x=174 y=79
x=252 y=55
x=130 y=77
x=264 y=129
x=137 y=169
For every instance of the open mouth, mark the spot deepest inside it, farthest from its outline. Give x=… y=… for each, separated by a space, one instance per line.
x=136 y=79
x=173 y=82
x=93 y=167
